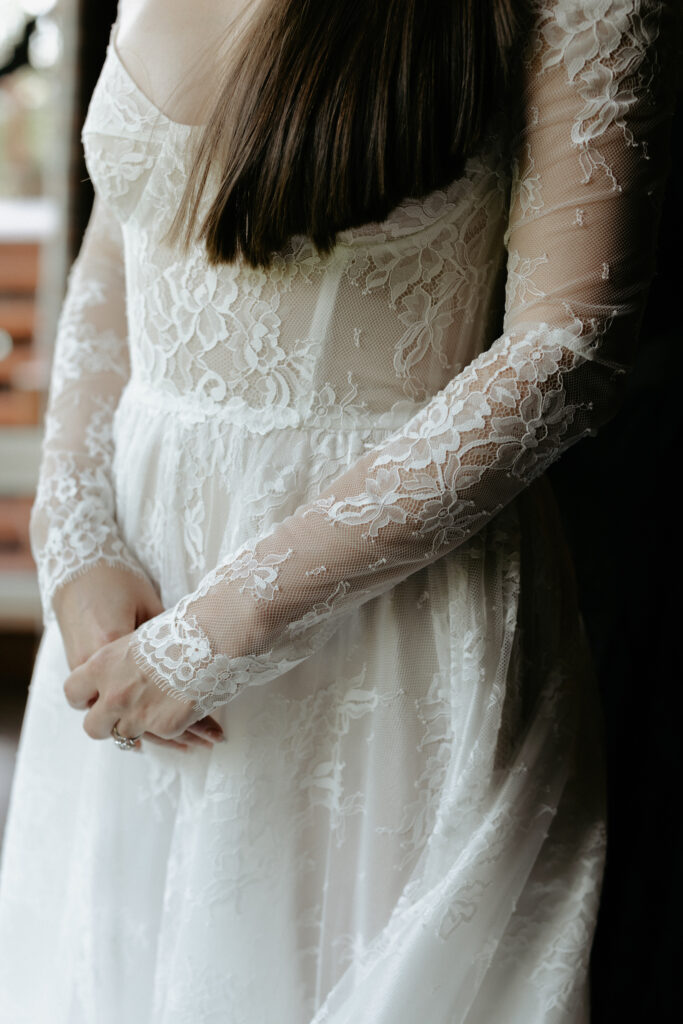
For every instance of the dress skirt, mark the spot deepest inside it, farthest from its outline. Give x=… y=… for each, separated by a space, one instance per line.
x=407 y=826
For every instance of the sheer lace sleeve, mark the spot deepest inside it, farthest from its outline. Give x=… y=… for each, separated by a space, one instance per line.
x=588 y=171
x=72 y=525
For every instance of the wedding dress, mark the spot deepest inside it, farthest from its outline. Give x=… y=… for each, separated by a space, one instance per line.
x=332 y=472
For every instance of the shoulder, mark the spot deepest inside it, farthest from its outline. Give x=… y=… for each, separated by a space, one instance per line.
x=605 y=52
x=578 y=34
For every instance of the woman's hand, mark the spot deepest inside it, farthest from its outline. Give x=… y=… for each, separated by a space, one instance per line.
x=116 y=691
x=99 y=606
x=102 y=605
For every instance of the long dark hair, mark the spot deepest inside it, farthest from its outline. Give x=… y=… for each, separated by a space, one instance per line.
x=333 y=111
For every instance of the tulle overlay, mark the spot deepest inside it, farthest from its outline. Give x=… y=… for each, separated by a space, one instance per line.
x=406 y=822
x=403 y=820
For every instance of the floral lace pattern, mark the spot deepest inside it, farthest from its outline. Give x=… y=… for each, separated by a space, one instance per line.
x=606 y=49
x=333 y=472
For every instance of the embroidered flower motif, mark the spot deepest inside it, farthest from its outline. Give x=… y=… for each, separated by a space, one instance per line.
x=526 y=186
x=189 y=301
x=64 y=488
x=520 y=286
x=259 y=576
x=426 y=318
x=441 y=516
x=181 y=648
x=606 y=103
x=217 y=676
x=534 y=360
x=527 y=441
x=86 y=531
x=582 y=30
x=253 y=327
x=326 y=409
x=98 y=436
x=376 y=507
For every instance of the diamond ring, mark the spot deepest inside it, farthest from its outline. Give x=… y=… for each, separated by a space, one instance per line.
x=124 y=742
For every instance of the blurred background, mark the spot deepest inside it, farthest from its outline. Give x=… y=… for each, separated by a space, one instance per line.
x=51 y=52
x=616 y=493
x=37 y=105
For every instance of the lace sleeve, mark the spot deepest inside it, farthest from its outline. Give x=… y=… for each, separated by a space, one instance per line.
x=588 y=172
x=72 y=524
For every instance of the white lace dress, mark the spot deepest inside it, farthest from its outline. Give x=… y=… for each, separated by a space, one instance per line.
x=332 y=471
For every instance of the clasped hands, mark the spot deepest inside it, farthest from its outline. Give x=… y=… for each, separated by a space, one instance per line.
x=97 y=612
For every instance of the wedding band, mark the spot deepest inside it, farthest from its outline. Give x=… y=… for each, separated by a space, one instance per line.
x=124 y=742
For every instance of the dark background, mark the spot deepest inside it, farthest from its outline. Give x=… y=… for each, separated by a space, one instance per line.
x=616 y=493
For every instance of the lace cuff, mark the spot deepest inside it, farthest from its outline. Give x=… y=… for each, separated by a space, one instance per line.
x=85 y=536
x=175 y=651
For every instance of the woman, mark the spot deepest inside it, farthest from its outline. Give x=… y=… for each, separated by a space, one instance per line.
x=292 y=494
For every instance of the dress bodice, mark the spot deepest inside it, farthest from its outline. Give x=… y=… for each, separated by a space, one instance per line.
x=362 y=336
